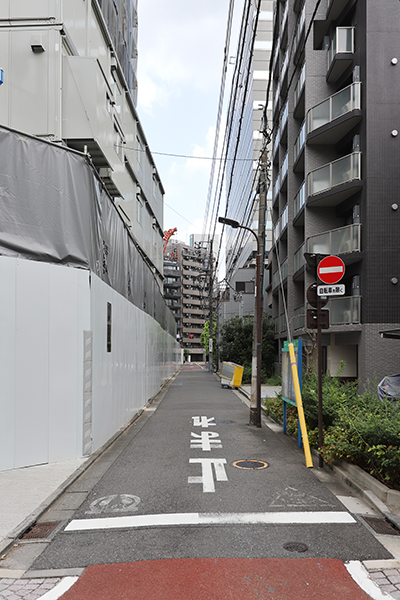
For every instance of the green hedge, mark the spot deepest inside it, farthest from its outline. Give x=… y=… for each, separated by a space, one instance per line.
x=360 y=429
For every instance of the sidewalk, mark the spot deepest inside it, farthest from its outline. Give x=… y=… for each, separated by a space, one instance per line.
x=25 y=494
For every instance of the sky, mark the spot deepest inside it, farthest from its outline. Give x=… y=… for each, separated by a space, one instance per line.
x=180 y=58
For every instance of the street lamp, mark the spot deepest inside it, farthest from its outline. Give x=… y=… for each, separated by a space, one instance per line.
x=255 y=400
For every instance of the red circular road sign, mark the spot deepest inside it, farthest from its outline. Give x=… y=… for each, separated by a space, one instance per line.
x=331 y=269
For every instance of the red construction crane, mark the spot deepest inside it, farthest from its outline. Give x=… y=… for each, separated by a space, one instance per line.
x=167 y=235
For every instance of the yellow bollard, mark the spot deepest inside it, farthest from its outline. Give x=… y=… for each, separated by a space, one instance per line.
x=299 y=403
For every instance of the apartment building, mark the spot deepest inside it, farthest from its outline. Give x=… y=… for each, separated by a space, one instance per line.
x=336 y=183
x=246 y=120
x=70 y=78
x=186 y=290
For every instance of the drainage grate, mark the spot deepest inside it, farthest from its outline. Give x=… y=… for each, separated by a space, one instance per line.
x=295 y=547
x=254 y=465
x=219 y=421
x=40 y=531
x=381 y=525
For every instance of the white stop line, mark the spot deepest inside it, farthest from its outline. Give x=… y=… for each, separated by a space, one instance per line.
x=174 y=519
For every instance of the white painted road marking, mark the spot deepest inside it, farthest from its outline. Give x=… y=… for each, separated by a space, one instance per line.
x=60 y=589
x=171 y=519
x=203 y=422
x=206 y=477
x=205 y=440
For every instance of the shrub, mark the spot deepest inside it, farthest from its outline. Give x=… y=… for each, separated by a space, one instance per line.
x=360 y=429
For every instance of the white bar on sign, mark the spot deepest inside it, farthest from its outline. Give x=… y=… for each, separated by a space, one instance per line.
x=338 y=269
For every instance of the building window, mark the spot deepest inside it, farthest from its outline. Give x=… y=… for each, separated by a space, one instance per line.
x=246 y=287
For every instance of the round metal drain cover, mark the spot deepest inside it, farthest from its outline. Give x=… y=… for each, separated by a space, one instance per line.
x=254 y=465
x=295 y=547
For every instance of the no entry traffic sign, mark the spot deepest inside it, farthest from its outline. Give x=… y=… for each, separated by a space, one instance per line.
x=331 y=269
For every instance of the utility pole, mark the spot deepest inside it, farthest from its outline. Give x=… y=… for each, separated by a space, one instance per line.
x=255 y=398
x=210 y=301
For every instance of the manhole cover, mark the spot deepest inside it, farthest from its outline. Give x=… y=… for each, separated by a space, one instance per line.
x=382 y=526
x=252 y=464
x=223 y=421
x=295 y=547
x=40 y=531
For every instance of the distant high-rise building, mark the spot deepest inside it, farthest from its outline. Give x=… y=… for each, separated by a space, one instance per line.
x=186 y=291
x=246 y=127
x=336 y=154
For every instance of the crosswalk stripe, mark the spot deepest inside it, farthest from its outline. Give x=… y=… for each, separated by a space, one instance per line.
x=175 y=519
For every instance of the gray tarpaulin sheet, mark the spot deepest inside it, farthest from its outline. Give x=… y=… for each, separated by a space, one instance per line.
x=53 y=208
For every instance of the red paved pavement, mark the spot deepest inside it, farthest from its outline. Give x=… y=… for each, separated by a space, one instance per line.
x=218 y=579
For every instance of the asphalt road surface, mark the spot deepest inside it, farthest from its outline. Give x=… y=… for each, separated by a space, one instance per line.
x=192 y=502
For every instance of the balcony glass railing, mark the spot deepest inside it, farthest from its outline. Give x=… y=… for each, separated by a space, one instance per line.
x=285 y=65
x=284 y=217
x=285 y=114
x=340 y=171
x=300 y=141
x=298 y=258
x=277 y=186
x=299 y=319
x=342 y=42
x=285 y=16
x=277 y=231
x=300 y=84
x=300 y=198
x=336 y=241
x=276 y=276
x=300 y=28
x=276 y=97
x=344 y=310
x=284 y=168
x=277 y=141
x=337 y=105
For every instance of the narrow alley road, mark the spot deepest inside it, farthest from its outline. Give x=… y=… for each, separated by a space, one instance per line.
x=199 y=505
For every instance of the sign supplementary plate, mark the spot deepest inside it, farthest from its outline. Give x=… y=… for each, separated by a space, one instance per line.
x=331 y=270
x=331 y=290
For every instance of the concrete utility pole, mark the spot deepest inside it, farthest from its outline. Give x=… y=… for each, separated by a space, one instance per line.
x=210 y=327
x=255 y=398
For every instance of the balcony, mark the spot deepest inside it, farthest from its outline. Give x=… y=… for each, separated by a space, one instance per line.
x=299 y=320
x=335 y=182
x=284 y=72
x=300 y=35
x=277 y=187
x=298 y=95
x=299 y=262
x=298 y=202
x=340 y=53
x=284 y=171
x=343 y=240
x=335 y=8
x=276 y=277
x=277 y=141
x=281 y=224
x=344 y=310
x=298 y=155
x=329 y=121
x=284 y=120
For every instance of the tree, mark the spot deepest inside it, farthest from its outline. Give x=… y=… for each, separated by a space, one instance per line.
x=205 y=336
x=237 y=342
